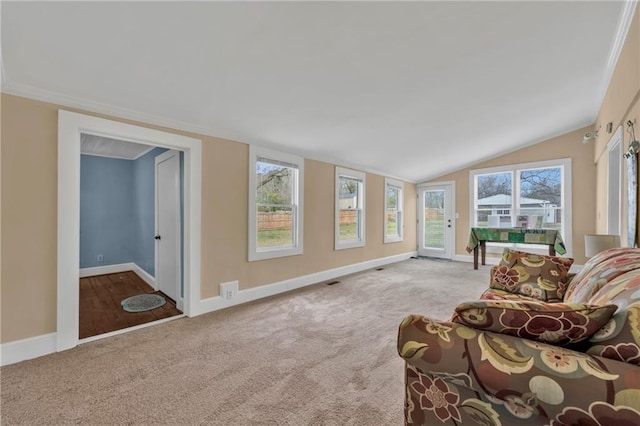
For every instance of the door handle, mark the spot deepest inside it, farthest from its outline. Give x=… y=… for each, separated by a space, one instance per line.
x=157 y=237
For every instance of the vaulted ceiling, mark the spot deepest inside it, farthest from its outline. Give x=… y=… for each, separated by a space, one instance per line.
x=407 y=89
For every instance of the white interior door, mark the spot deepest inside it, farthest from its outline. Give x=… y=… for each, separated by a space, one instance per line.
x=436 y=220
x=168 y=224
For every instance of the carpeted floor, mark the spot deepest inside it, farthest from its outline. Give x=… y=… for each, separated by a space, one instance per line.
x=322 y=355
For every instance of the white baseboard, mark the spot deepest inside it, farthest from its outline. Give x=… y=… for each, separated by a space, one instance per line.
x=120 y=267
x=22 y=350
x=146 y=277
x=216 y=303
x=34 y=347
x=107 y=269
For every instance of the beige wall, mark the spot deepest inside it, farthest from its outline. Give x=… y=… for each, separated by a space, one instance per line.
x=583 y=176
x=589 y=180
x=621 y=103
x=29 y=221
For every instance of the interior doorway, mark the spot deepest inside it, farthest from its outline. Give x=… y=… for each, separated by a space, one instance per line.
x=436 y=220
x=122 y=188
x=70 y=127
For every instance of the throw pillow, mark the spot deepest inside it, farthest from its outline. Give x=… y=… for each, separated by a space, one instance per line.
x=556 y=323
x=533 y=275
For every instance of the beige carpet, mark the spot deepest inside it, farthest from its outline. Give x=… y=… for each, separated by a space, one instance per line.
x=323 y=355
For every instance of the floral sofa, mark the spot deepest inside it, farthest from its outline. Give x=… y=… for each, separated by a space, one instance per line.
x=541 y=347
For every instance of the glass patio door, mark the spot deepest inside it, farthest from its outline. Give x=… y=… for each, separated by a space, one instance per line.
x=436 y=220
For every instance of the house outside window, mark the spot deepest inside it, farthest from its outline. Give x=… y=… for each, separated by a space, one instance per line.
x=532 y=195
x=275 y=204
x=393 y=214
x=349 y=208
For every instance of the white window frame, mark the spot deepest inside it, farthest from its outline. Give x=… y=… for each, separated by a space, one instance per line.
x=388 y=182
x=567 y=236
x=262 y=253
x=362 y=177
x=614 y=183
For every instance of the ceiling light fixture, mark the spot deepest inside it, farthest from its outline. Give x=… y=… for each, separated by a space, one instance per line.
x=590 y=135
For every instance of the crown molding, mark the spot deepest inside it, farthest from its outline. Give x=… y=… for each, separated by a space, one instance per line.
x=85 y=105
x=624 y=23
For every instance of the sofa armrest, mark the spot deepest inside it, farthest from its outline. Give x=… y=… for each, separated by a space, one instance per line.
x=515 y=376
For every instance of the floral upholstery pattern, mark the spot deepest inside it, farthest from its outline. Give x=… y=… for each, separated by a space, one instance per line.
x=456 y=374
x=599 y=414
x=495 y=294
x=620 y=337
x=558 y=323
x=599 y=271
x=533 y=275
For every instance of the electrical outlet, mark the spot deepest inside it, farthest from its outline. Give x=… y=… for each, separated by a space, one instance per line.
x=100 y=258
x=229 y=291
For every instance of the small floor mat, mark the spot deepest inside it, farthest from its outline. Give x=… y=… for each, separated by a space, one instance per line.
x=142 y=302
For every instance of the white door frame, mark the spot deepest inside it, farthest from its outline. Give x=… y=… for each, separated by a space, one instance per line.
x=450 y=238
x=157 y=160
x=614 y=183
x=70 y=127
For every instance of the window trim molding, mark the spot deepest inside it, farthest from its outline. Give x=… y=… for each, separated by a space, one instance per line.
x=614 y=183
x=400 y=185
x=254 y=253
x=362 y=176
x=567 y=217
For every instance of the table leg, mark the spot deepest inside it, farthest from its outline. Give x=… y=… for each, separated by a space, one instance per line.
x=475 y=256
x=483 y=249
x=552 y=250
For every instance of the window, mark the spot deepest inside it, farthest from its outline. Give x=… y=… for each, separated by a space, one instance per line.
x=349 y=202
x=393 y=203
x=535 y=195
x=275 y=204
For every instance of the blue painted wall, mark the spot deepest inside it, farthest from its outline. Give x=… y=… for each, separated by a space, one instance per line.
x=117 y=212
x=106 y=209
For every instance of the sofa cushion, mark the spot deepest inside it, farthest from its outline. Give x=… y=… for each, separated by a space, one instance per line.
x=533 y=275
x=556 y=323
x=620 y=338
x=600 y=270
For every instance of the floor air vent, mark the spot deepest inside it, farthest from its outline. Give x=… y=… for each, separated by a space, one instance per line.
x=333 y=282
x=379 y=269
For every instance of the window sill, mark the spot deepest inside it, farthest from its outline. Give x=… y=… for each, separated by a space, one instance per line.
x=349 y=244
x=274 y=253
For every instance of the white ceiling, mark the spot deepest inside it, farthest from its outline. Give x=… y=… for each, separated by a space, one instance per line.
x=407 y=89
x=106 y=147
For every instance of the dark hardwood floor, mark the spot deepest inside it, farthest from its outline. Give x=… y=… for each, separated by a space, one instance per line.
x=100 y=308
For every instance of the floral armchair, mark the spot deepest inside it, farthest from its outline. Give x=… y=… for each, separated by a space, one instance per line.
x=514 y=359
